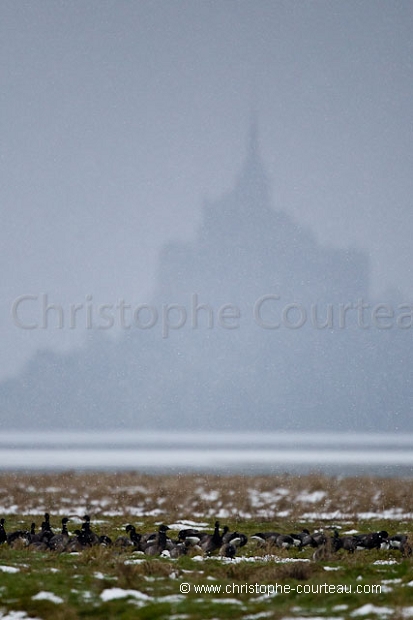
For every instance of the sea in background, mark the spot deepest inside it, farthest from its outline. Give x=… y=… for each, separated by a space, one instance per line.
x=380 y=454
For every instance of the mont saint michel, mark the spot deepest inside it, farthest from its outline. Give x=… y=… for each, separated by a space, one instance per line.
x=252 y=324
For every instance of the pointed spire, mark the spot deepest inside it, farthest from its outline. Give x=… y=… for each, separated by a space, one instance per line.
x=253 y=137
x=252 y=183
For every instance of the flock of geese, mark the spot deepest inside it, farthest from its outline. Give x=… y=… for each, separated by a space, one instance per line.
x=223 y=543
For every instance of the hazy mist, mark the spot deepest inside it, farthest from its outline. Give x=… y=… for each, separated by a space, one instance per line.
x=206 y=154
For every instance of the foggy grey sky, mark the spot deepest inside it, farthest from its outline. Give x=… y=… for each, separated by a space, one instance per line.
x=119 y=118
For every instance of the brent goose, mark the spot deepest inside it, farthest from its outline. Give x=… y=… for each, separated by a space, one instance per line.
x=156 y=545
x=401 y=542
x=228 y=550
x=211 y=542
x=303 y=539
x=58 y=542
x=181 y=548
x=285 y=541
x=237 y=539
x=3 y=535
x=265 y=538
x=125 y=541
x=193 y=536
x=134 y=536
x=372 y=540
x=46 y=527
x=87 y=537
x=319 y=538
x=19 y=538
x=348 y=543
x=75 y=543
x=105 y=541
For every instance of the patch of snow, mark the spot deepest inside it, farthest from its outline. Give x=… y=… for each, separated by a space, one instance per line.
x=15 y=615
x=226 y=601
x=369 y=608
x=310 y=498
x=324 y=516
x=260 y=614
x=208 y=496
x=9 y=569
x=154 y=513
x=243 y=558
x=44 y=595
x=111 y=594
x=99 y=575
x=223 y=513
x=394 y=513
x=170 y=598
x=312 y=618
x=181 y=525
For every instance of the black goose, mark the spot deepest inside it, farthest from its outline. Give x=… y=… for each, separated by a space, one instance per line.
x=156 y=545
x=105 y=541
x=193 y=536
x=3 y=535
x=211 y=542
x=147 y=539
x=398 y=541
x=348 y=543
x=373 y=540
x=40 y=541
x=236 y=539
x=87 y=537
x=46 y=527
x=58 y=542
x=125 y=541
x=303 y=539
x=181 y=548
x=285 y=541
x=265 y=538
x=134 y=536
x=228 y=550
x=401 y=542
x=319 y=538
x=75 y=543
x=19 y=538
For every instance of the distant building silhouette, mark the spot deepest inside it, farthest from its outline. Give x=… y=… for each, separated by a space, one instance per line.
x=245 y=248
x=253 y=325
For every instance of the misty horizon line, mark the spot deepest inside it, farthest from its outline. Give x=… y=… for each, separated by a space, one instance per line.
x=238 y=437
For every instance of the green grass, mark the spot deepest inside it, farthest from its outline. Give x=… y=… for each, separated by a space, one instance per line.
x=80 y=579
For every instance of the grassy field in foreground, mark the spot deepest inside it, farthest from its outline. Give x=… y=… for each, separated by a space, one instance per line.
x=109 y=583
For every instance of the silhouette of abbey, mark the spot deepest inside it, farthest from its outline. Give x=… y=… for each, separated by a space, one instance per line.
x=254 y=325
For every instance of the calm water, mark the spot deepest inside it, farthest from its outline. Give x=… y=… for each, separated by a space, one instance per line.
x=345 y=453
